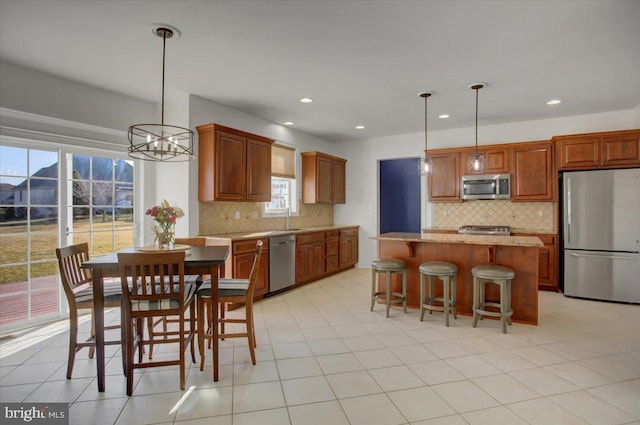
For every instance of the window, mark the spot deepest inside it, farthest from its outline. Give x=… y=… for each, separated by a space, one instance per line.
x=283 y=182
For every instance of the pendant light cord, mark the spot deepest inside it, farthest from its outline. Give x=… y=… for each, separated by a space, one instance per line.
x=478 y=88
x=425 y=126
x=164 y=48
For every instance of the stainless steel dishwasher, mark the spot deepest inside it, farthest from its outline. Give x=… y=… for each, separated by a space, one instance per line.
x=282 y=262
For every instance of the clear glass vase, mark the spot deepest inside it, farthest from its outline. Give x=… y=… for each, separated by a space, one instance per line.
x=165 y=238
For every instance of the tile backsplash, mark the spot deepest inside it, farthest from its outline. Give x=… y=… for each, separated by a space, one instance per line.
x=219 y=217
x=536 y=217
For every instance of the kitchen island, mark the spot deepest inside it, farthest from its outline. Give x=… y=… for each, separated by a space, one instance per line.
x=519 y=253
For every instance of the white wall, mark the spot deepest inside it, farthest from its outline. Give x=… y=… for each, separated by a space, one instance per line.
x=363 y=157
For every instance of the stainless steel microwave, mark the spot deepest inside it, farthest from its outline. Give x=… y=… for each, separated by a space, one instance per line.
x=486 y=186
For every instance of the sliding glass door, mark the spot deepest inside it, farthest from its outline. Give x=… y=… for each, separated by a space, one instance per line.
x=50 y=198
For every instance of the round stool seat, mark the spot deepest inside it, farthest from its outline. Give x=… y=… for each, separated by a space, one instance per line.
x=492 y=271
x=388 y=264
x=438 y=268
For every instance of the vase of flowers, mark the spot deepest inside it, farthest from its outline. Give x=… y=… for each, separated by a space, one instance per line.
x=165 y=216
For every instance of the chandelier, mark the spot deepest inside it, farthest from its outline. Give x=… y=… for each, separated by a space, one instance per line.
x=161 y=142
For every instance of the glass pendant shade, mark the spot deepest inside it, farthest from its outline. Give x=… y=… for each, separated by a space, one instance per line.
x=161 y=142
x=475 y=162
x=426 y=163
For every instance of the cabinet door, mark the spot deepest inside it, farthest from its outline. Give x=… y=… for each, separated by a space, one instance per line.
x=339 y=182
x=621 y=150
x=533 y=172
x=324 y=180
x=258 y=171
x=309 y=261
x=230 y=165
x=242 y=264
x=348 y=251
x=496 y=160
x=579 y=153
x=444 y=182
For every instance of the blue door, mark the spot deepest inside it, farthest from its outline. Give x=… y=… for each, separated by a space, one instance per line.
x=400 y=195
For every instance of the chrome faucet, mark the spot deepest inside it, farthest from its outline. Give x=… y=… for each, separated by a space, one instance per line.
x=288 y=217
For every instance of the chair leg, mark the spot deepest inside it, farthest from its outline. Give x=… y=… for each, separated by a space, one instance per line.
x=73 y=340
x=140 y=334
x=150 y=331
x=209 y=320
x=445 y=302
x=222 y=311
x=182 y=349
x=201 y=330
x=503 y=306
x=192 y=329
x=454 y=302
x=373 y=288
x=388 y=292
x=476 y=289
x=422 y=295
x=129 y=338
x=432 y=287
x=250 y=337
x=123 y=339
x=404 y=291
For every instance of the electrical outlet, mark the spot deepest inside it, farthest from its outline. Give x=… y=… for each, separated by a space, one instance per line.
x=237 y=215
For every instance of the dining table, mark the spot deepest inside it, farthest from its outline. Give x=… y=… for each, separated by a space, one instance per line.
x=199 y=260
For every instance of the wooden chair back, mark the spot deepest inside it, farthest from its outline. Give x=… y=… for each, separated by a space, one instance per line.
x=74 y=279
x=153 y=278
x=253 y=274
x=195 y=241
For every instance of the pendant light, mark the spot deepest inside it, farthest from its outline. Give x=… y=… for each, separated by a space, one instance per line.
x=475 y=162
x=161 y=142
x=426 y=164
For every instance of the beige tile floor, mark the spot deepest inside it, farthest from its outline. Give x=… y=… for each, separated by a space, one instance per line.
x=324 y=358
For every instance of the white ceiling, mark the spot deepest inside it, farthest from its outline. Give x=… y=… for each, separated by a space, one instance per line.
x=363 y=62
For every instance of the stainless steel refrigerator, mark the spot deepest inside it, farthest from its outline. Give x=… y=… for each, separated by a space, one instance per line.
x=601 y=239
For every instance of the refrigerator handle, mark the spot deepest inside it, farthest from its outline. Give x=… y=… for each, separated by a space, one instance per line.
x=611 y=257
x=568 y=209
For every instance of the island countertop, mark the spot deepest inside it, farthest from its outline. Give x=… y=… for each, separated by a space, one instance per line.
x=463 y=239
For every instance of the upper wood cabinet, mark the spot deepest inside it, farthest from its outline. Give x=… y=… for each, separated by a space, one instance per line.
x=444 y=182
x=233 y=165
x=323 y=179
x=598 y=150
x=496 y=160
x=532 y=172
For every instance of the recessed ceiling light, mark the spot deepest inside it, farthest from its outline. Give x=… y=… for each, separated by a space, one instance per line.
x=289 y=123
x=554 y=102
x=306 y=100
x=443 y=116
x=359 y=127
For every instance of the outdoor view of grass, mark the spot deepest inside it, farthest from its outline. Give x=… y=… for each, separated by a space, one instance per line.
x=108 y=236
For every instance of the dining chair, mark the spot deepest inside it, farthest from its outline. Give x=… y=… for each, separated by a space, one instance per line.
x=230 y=291
x=153 y=285
x=77 y=288
x=165 y=321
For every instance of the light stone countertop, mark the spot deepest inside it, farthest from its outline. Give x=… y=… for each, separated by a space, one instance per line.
x=464 y=239
x=268 y=233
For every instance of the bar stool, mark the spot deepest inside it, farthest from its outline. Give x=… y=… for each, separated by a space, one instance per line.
x=390 y=267
x=500 y=276
x=446 y=272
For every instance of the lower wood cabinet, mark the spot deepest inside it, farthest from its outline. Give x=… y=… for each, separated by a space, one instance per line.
x=243 y=255
x=348 y=247
x=320 y=254
x=547 y=261
x=332 y=251
x=310 y=257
